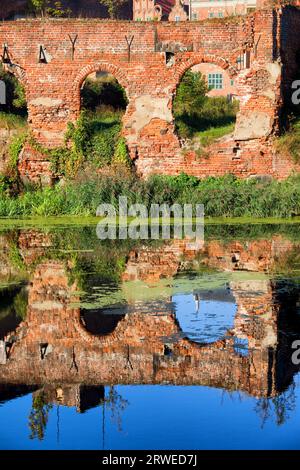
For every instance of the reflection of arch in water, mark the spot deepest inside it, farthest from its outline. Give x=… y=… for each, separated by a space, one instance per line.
x=13 y=306
x=205 y=317
x=287 y=297
x=102 y=322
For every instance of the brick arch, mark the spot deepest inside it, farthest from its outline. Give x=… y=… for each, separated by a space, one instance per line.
x=200 y=59
x=127 y=324
x=18 y=72
x=105 y=67
x=196 y=60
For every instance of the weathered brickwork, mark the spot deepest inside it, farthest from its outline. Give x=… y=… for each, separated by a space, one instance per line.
x=133 y=353
x=53 y=88
x=53 y=346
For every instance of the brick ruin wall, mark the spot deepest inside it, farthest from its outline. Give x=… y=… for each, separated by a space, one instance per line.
x=53 y=88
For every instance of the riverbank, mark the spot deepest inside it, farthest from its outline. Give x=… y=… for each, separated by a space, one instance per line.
x=40 y=222
x=225 y=197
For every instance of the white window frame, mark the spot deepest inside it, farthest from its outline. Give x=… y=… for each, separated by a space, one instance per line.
x=215 y=81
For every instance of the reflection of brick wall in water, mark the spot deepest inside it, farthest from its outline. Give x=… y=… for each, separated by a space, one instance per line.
x=52 y=346
x=256 y=255
x=78 y=396
x=33 y=244
x=150 y=264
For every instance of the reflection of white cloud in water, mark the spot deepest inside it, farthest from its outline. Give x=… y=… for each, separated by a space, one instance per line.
x=204 y=320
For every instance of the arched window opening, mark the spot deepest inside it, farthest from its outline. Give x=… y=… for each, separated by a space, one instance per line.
x=205 y=106
x=13 y=126
x=103 y=104
x=13 y=309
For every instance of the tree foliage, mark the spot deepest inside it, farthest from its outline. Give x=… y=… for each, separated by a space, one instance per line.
x=113 y=7
x=190 y=95
x=48 y=8
x=38 y=418
x=195 y=111
x=15 y=94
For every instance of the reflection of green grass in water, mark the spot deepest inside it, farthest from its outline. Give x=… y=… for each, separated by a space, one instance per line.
x=79 y=221
x=139 y=291
x=92 y=263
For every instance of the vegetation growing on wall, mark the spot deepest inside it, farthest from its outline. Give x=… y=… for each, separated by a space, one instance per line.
x=95 y=141
x=92 y=143
x=95 y=144
x=13 y=128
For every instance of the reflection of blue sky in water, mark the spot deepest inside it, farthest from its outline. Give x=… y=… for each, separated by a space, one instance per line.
x=205 y=319
x=160 y=417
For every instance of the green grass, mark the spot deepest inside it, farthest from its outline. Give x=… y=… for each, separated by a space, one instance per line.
x=209 y=136
x=289 y=143
x=222 y=197
x=12 y=121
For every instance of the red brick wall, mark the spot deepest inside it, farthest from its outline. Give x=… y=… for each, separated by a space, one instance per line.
x=53 y=89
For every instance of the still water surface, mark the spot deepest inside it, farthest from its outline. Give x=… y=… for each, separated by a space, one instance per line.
x=140 y=345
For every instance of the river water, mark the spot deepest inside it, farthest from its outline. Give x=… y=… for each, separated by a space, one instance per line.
x=150 y=345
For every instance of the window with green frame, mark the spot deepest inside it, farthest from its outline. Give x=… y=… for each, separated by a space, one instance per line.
x=215 y=81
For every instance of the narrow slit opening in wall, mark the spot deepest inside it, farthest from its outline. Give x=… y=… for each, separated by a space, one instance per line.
x=5 y=55
x=169 y=58
x=236 y=151
x=167 y=350
x=8 y=347
x=42 y=56
x=43 y=350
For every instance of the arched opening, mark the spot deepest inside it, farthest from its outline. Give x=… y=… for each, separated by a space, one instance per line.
x=205 y=316
x=103 y=104
x=13 y=127
x=289 y=140
x=102 y=322
x=205 y=105
x=13 y=309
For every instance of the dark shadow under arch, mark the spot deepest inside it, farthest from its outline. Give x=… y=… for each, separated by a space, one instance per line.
x=102 y=322
x=97 y=67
